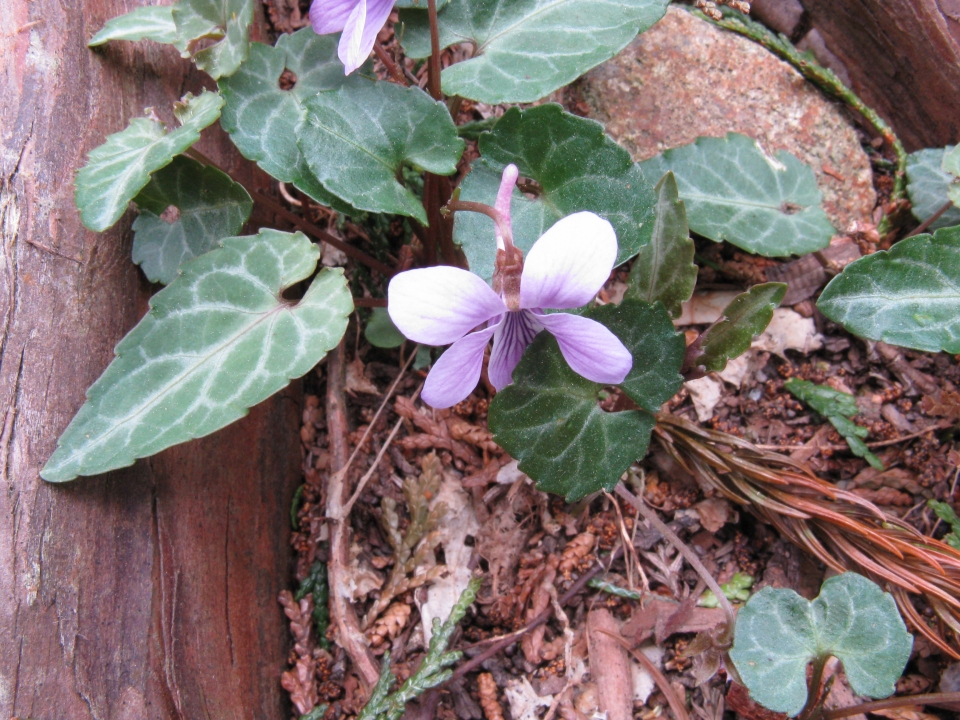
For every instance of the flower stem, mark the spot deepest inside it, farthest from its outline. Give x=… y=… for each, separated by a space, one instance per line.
x=935 y=699
x=490 y=212
x=390 y=65
x=434 y=70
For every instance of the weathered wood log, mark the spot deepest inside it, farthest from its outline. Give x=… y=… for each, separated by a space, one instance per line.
x=150 y=592
x=903 y=57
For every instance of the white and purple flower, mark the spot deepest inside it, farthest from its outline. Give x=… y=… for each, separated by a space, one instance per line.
x=564 y=269
x=358 y=20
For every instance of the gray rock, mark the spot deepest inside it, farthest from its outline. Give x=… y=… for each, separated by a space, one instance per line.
x=685 y=78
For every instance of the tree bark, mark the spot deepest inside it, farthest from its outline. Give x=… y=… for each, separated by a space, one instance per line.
x=149 y=592
x=904 y=59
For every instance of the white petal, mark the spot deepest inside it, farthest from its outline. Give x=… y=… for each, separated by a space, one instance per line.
x=349 y=50
x=589 y=348
x=569 y=264
x=456 y=373
x=438 y=305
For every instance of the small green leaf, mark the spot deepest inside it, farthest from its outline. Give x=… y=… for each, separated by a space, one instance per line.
x=734 y=191
x=262 y=118
x=928 y=185
x=144 y=23
x=737 y=590
x=823 y=398
x=854 y=435
x=908 y=295
x=216 y=341
x=117 y=170
x=577 y=167
x=550 y=418
x=778 y=633
x=381 y=332
x=355 y=140
x=947 y=514
x=526 y=49
x=185 y=210
x=747 y=315
x=664 y=269
x=227 y=21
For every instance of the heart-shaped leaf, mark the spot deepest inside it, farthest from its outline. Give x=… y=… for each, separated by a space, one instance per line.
x=734 y=191
x=928 y=185
x=227 y=21
x=778 y=633
x=747 y=315
x=262 y=118
x=550 y=417
x=356 y=139
x=526 y=49
x=117 y=170
x=664 y=269
x=908 y=295
x=185 y=210
x=576 y=166
x=216 y=341
x=381 y=332
x=145 y=23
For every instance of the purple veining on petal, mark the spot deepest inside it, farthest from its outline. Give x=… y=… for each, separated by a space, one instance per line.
x=589 y=348
x=569 y=264
x=455 y=375
x=511 y=339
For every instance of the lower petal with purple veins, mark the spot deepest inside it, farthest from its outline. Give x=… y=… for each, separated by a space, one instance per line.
x=457 y=372
x=589 y=348
x=512 y=337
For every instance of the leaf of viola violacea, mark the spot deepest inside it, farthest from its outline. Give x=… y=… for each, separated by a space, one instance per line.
x=907 y=296
x=185 y=210
x=928 y=186
x=664 y=269
x=747 y=315
x=526 y=49
x=227 y=21
x=778 y=633
x=550 y=417
x=117 y=170
x=734 y=191
x=216 y=341
x=356 y=138
x=951 y=165
x=145 y=23
x=550 y=420
x=380 y=330
x=262 y=118
x=577 y=167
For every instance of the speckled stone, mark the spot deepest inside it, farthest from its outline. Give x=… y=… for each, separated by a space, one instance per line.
x=685 y=78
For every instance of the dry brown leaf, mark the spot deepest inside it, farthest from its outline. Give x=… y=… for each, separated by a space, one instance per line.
x=575 y=551
x=356 y=381
x=610 y=665
x=388 y=626
x=945 y=404
x=715 y=512
x=301 y=684
x=487 y=690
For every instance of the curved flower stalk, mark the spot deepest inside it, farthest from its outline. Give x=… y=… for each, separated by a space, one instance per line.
x=565 y=269
x=358 y=20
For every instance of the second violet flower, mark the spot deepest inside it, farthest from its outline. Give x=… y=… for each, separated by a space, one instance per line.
x=564 y=269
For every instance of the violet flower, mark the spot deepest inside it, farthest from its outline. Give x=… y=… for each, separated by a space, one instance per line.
x=565 y=269
x=358 y=20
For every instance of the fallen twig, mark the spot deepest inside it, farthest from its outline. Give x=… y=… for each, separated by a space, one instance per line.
x=679 y=711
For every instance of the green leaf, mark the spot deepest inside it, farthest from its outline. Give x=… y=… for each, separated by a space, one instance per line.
x=951 y=165
x=928 y=185
x=526 y=49
x=908 y=295
x=216 y=341
x=734 y=191
x=947 y=514
x=381 y=332
x=737 y=590
x=185 y=210
x=577 y=167
x=262 y=119
x=356 y=138
x=778 y=633
x=117 y=170
x=144 y=23
x=227 y=21
x=854 y=435
x=417 y=4
x=664 y=269
x=823 y=398
x=550 y=418
x=747 y=315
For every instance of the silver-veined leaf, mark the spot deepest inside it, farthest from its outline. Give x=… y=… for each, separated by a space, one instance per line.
x=226 y=21
x=928 y=185
x=144 y=23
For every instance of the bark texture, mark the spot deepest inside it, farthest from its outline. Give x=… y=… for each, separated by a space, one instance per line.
x=903 y=57
x=149 y=592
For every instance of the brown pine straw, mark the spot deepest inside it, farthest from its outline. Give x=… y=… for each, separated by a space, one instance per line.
x=839 y=528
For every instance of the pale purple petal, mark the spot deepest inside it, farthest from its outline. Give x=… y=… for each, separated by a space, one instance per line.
x=378 y=12
x=360 y=32
x=508 y=181
x=330 y=16
x=456 y=373
x=569 y=264
x=589 y=348
x=441 y=304
x=512 y=337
